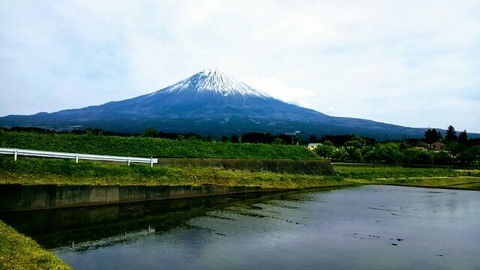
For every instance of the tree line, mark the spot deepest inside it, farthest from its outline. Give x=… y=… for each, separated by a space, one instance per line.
x=455 y=150
x=458 y=149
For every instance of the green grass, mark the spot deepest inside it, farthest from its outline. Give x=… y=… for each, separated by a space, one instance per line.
x=458 y=182
x=420 y=177
x=149 y=147
x=36 y=171
x=18 y=251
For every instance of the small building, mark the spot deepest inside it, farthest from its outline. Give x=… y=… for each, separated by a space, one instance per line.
x=312 y=146
x=437 y=146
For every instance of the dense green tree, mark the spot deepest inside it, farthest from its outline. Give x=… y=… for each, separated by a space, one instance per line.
x=313 y=139
x=353 y=144
x=366 y=149
x=340 y=154
x=468 y=156
x=442 y=158
x=417 y=156
x=370 y=156
x=476 y=151
x=150 y=132
x=432 y=136
x=422 y=145
x=455 y=148
x=463 y=137
x=328 y=143
x=325 y=150
x=337 y=140
x=258 y=137
x=351 y=147
x=384 y=153
x=357 y=156
x=450 y=134
x=234 y=138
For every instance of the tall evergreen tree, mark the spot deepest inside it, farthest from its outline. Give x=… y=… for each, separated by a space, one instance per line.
x=431 y=136
x=463 y=137
x=451 y=135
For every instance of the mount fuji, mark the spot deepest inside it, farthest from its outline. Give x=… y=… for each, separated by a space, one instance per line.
x=209 y=102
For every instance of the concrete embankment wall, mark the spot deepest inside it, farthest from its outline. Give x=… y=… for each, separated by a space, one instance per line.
x=15 y=197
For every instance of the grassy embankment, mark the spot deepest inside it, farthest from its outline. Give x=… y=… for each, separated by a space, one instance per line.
x=149 y=147
x=20 y=252
x=31 y=171
x=53 y=171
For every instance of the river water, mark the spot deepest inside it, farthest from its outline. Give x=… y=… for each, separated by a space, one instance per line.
x=368 y=227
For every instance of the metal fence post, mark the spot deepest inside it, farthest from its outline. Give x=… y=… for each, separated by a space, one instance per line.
x=76 y=158
x=15 y=155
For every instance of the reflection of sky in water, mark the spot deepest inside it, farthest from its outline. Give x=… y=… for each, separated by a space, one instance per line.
x=370 y=227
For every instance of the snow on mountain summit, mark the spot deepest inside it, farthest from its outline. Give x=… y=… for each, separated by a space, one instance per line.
x=214 y=80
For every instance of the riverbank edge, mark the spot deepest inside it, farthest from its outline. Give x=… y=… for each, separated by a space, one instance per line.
x=16 y=197
x=457 y=183
x=18 y=251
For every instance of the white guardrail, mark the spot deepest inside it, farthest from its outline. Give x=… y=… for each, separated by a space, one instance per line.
x=77 y=157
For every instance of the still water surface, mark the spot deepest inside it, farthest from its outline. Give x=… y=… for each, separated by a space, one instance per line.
x=369 y=227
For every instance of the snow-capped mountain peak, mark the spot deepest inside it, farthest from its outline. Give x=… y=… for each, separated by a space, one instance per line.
x=209 y=102
x=214 y=80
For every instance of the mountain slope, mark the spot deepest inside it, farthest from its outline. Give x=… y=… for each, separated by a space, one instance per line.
x=209 y=102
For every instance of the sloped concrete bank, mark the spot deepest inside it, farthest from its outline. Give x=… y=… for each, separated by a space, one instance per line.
x=15 y=197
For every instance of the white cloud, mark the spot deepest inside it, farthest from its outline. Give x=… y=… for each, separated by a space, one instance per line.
x=278 y=89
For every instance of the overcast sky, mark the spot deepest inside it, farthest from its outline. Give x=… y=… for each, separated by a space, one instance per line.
x=413 y=63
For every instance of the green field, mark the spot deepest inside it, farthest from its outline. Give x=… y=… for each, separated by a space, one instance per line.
x=420 y=177
x=242 y=159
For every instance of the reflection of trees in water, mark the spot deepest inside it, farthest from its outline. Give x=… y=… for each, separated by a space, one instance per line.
x=62 y=227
